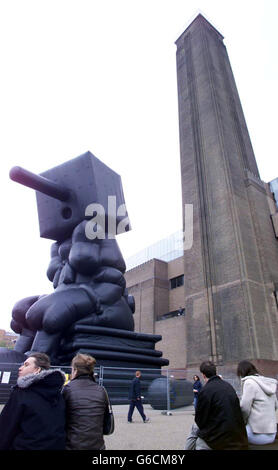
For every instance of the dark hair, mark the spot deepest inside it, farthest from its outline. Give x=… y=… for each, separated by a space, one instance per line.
x=83 y=364
x=246 y=368
x=208 y=369
x=198 y=378
x=41 y=360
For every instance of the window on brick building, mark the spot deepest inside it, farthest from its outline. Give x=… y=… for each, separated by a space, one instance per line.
x=177 y=281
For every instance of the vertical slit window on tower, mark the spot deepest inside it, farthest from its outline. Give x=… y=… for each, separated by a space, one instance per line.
x=275 y=293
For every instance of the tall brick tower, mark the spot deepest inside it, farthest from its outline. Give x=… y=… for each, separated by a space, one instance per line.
x=231 y=271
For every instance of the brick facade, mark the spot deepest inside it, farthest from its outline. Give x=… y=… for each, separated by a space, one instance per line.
x=231 y=272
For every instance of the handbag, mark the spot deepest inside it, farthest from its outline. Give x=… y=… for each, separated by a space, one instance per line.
x=108 y=418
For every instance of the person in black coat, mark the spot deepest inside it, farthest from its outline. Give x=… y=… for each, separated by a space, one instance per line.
x=135 y=398
x=34 y=416
x=197 y=386
x=218 y=415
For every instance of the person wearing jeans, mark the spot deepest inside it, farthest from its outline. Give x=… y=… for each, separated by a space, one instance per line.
x=218 y=423
x=197 y=386
x=135 y=398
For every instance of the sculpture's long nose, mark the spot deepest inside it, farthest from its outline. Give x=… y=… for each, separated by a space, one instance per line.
x=39 y=183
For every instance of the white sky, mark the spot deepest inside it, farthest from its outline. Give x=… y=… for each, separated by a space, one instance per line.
x=101 y=76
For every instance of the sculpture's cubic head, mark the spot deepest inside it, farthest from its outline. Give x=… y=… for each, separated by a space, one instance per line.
x=73 y=191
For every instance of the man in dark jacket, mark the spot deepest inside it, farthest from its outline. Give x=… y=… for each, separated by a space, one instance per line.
x=135 y=398
x=218 y=415
x=34 y=416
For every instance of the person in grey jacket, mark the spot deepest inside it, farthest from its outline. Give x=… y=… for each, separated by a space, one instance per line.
x=86 y=402
x=258 y=404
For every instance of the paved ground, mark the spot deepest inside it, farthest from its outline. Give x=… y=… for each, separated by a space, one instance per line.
x=161 y=433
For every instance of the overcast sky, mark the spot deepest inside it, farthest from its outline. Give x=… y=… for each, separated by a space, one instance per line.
x=101 y=76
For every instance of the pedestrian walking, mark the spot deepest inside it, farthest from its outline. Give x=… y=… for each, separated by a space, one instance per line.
x=135 y=399
x=197 y=386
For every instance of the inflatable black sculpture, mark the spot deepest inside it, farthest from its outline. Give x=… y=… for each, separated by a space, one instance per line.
x=81 y=206
x=179 y=393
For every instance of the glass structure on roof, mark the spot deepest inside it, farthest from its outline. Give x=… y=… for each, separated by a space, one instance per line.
x=274 y=189
x=167 y=249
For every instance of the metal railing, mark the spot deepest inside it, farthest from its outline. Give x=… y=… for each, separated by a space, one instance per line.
x=9 y=375
x=164 y=389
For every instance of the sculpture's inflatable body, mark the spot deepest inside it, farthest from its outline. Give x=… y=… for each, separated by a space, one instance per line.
x=164 y=394
x=81 y=207
x=86 y=265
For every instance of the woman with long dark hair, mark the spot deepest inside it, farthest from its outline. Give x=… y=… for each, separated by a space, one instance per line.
x=197 y=386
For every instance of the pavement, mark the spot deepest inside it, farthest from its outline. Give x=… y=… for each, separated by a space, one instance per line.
x=162 y=432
